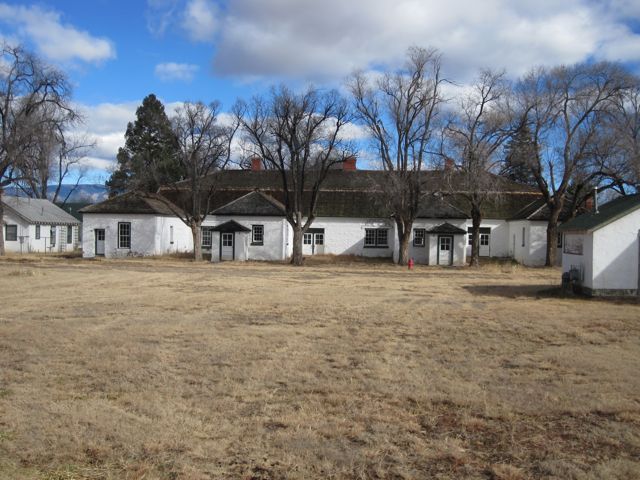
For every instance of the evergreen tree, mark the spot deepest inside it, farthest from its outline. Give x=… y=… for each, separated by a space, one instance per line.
x=521 y=156
x=149 y=158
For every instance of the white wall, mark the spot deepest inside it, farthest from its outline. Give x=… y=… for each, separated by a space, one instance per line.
x=615 y=254
x=180 y=242
x=499 y=245
x=581 y=262
x=275 y=238
x=345 y=236
x=143 y=234
x=428 y=255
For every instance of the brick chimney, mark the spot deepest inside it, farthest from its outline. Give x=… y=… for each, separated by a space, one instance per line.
x=349 y=164
x=588 y=204
x=256 y=164
x=448 y=165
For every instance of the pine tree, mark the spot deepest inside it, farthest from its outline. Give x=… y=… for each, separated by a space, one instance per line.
x=149 y=158
x=521 y=155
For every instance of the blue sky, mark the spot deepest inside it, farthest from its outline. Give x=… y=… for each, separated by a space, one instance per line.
x=117 y=52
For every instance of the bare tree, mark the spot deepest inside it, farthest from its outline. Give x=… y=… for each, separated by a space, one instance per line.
x=565 y=109
x=399 y=110
x=625 y=132
x=27 y=87
x=53 y=154
x=204 y=149
x=299 y=136
x=472 y=141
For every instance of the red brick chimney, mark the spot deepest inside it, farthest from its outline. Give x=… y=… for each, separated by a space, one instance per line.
x=256 y=164
x=349 y=164
x=588 y=204
x=448 y=165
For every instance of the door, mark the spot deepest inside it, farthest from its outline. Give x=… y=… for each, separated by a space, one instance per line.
x=99 y=233
x=313 y=242
x=445 y=250
x=226 y=246
x=484 y=244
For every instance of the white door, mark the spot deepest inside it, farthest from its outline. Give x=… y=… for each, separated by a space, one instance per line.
x=445 y=250
x=226 y=246
x=307 y=244
x=99 y=232
x=318 y=243
x=484 y=244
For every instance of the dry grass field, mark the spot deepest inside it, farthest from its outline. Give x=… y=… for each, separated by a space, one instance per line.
x=163 y=369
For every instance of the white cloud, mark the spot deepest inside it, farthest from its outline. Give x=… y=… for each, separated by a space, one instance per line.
x=200 y=20
x=52 y=38
x=317 y=40
x=168 y=72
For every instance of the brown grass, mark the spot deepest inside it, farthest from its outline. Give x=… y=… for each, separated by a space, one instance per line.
x=151 y=369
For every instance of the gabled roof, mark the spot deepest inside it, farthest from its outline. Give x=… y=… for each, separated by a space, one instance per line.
x=253 y=203
x=134 y=202
x=607 y=213
x=230 y=226
x=539 y=210
x=447 y=228
x=38 y=211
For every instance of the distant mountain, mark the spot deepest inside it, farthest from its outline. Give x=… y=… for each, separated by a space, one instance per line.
x=83 y=193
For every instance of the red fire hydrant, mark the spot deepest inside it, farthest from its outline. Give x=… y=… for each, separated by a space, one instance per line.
x=410 y=264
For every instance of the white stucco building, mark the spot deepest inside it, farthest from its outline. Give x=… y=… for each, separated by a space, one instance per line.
x=35 y=225
x=602 y=248
x=247 y=221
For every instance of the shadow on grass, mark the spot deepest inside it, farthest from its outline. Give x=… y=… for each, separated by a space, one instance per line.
x=542 y=291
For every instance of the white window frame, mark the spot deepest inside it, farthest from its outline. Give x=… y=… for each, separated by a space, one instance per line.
x=419 y=237
x=37 y=232
x=69 y=235
x=207 y=237
x=373 y=238
x=257 y=234
x=14 y=235
x=124 y=238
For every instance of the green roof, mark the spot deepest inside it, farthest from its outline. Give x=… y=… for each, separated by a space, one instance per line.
x=607 y=213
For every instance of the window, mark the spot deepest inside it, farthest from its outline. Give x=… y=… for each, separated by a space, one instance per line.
x=171 y=234
x=37 y=232
x=11 y=234
x=573 y=244
x=485 y=235
x=375 y=238
x=52 y=236
x=307 y=239
x=319 y=238
x=523 y=229
x=559 y=244
x=227 y=239
x=124 y=235
x=207 y=237
x=419 y=237
x=445 y=243
x=69 y=234
x=257 y=234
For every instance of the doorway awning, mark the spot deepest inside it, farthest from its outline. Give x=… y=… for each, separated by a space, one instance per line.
x=447 y=229
x=229 y=227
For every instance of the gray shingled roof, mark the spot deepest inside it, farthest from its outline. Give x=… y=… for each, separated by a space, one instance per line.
x=447 y=228
x=38 y=211
x=607 y=213
x=253 y=203
x=230 y=226
x=134 y=202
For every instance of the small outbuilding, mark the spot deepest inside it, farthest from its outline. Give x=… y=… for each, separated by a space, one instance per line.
x=601 y=249
x=37 y=225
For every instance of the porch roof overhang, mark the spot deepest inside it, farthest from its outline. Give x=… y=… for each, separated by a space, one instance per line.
x=229 y=227
x=447 y=228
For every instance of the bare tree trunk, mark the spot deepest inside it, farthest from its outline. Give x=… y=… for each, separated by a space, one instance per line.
x=552 y=237
x=1 y=225
x=476 y=219
x=404 y=234
x=196 y=232
x=297 y=258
